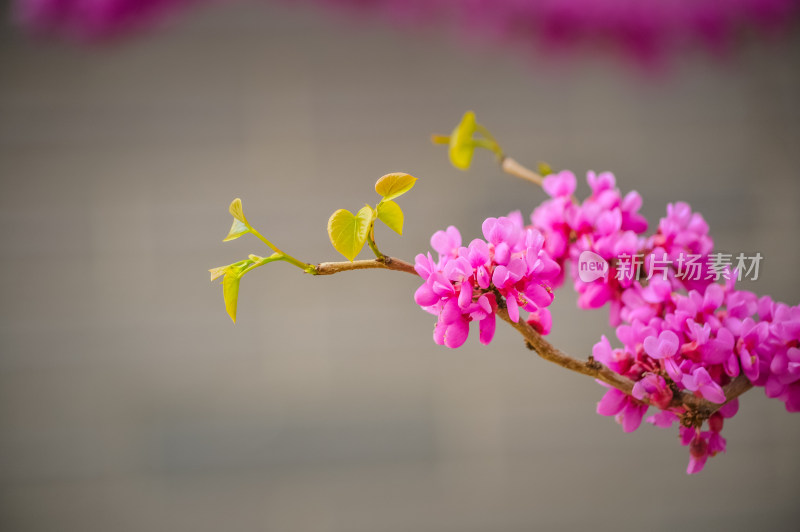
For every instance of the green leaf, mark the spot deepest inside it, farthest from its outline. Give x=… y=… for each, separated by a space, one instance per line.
x=461 y=144
x=237 y=212
x=237 y=229
x=230 y=283
x=348 y=232
x=391 y=214
x=218 y=272
x=230 y=291
x=393 y=185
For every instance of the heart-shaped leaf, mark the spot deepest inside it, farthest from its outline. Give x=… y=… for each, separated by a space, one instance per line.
x=393 y=185
x=348 y=232
x=391 y=214
x=237 y=229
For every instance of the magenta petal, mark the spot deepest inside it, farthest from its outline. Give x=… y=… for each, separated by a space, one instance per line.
x=502 y=253
x=612 y=402
x=780 y=363
x=673 y=370
x=731 y=366
x=484 y=303
x=490 y=229
x=541 y=320
x=441 y=242
x=446 y=242
x=666 y=345
x=478 y=253
x=538 y=295
x=632 y=416
x=602 y=351
x=663 y=419
x=729 y=409
x=438 y=332
x=424 y=265
x=561 y=184
x=487 y=327
x=465 y=296
x=595 y=295
x=500 y=276
x=425 y=297
x=456 y=334
x=639 y=391
x=749 y=364
x=483 y=278
x=513 y=308
x=696 y=464
x=441 y=285
x=713 y=392
x=450 y=312
x=774 y=388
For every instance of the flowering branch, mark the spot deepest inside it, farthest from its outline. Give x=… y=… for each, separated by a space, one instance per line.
x=699 y=409
x=593 y=368
x=691 y=344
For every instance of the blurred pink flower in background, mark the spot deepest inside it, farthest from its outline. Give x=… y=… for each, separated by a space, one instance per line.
x=94 y=20
x=647 y=30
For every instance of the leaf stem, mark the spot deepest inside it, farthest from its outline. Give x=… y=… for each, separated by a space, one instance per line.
x=512 y=167
x=371 y=242
x=285 y=256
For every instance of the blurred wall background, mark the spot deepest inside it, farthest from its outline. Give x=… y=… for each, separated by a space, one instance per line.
x=129 y=402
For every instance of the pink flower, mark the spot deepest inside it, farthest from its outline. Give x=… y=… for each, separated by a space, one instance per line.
x=666 y=345
x=95 y=20
x=700 y=381
x=654 y=388
x=627 y=410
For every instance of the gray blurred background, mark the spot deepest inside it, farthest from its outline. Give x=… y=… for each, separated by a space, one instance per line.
x=128 y=400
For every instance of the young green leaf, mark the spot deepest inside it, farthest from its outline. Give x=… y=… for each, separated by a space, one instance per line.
x=393 y=185
x=237 y=229
x=218 y=272
x=348 y=232
x=391 y=214
x=461 y=144
x=230 y=291
x=237 y=212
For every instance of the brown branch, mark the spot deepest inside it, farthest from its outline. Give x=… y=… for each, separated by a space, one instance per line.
x=735 y=388
x=512 y=167
x=386 y=263
x=698 y=409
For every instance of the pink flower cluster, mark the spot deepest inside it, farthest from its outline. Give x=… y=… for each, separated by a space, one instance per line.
x=648 y=31
x=94 y=19
x=605 y=223
x=465 y=282
x=680 y=333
